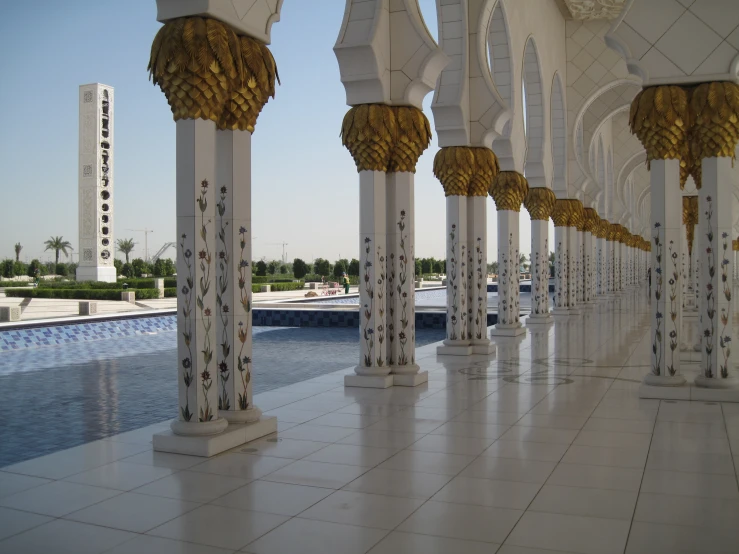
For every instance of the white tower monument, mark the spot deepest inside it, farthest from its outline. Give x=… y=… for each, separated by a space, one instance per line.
x=96 y=184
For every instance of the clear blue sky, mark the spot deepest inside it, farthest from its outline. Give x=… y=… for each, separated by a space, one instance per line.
x=305 y=187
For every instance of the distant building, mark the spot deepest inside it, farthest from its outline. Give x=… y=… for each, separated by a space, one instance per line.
x=96 y=184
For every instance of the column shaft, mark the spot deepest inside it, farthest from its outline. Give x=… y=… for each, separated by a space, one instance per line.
x=539 y=270
x=602 y=286
x=508 y=275
x=456 y=272
x=477 y=281
x=575 y=273
x=196 y=274
x=715 y=229
x=588 y=261
x=666 y=307
x=561 y=270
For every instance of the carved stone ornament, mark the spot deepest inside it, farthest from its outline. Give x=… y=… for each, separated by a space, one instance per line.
x=466 y=170
x=594 y=9
x=591 y=220
x=561 y=213
x=509 y=189
x=540 y=203
x=577 y=216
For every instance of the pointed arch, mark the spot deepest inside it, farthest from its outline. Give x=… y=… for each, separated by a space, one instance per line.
x=501 y=69
x=559 y=138
x=601 y=164
x=534 y=115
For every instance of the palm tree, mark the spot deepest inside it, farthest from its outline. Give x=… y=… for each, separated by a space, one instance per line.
x=18 y=249
x=126 y=246
x=58 y=244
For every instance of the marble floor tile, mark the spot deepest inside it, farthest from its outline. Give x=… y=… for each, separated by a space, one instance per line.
x=603 y=477
x=412 y=543
x=586 y=535
x=11 y=483
x=452 y=444
x=427 y=462
x=649 y=538
x=525 y=450
x=690 y=484
x=682 y=510
x=316 y=474
x=65 y=537
x=144 y=544
x=351 y=454
x=487 y=492
x=366 y=510
x=462 y=521
x=13 y=522
x=218 y=526
x=120 y=475
x=137 y=513
x=192 y=486
x=539 y=434
x=406 y=484
x=57 y=498
x=381 y=438
x=278 y=447
x=509 y=469
x=317 y=433
x=691 y=462
x=552 y=421
x=606 y=456
x=316 y=537
x=582 y=501
x=273 y=498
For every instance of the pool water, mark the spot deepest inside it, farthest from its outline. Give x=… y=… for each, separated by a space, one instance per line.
x=57 y=397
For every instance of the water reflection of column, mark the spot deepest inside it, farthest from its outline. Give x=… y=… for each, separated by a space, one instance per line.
x=540 y=203
x=561 y=217
x=509 y=189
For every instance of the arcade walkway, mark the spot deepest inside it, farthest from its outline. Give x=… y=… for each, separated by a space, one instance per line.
x=545 y=449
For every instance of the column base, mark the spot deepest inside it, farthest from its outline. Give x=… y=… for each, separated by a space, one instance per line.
x=716 y=382
x=250 y=415
x=508 y=330
x=368 y=381
x=482 y=346
x=539 y=319
x=209 y=445
x=410 y=379
x=664 y=380
x=454 y=348
x=198 y=428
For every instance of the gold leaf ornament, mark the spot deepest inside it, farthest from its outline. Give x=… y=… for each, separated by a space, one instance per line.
x=540 y=203
x=454 y=167
x=486 y=170
x=561 y=213
x=413 y=137
x=509 y=189
x=659 y=119
x=368 y=132
x=715 y=108
x=577 y=216
x=591 y=220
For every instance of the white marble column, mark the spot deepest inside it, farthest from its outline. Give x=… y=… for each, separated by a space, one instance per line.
x=582 y=263
x=196 y=279
x=477 y=281
x=233 y=277
x=715 y=199
x=588 y=261
x=509 y=323
x=561 y=268
x=575 y=273
x=401 y=289
x=539 y=272
x=457 y=341
x=617 y=268
x=602 y=275
x=373 y=370
x=665 y=305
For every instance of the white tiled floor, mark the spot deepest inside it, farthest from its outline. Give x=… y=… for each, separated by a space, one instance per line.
x=544 y=448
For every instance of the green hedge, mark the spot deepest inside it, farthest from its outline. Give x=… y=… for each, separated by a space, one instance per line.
x=268 y=279
x=134 y=283
x=280 y=286
x=4 y=284
x=81 y=294
x=170 y=292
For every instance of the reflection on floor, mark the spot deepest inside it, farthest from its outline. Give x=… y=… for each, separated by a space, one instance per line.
x=544 y=449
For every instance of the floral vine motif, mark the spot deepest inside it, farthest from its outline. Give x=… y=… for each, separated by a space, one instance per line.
x=187 y=294
x=561 y=292
x=452 y=285
x=463 y=294
x=515 y=290
x=224 y=402
x=657 y=346
x=381 y=304
x=724 y=339
x=541 y=289
x=402 y=293
x=710 y=297
x=391 y=308
x=508 y=286
x=243 y=362
x=369 y=290
x=206 y=258
x=470 y=292
x=480 y=324
x=673 y=282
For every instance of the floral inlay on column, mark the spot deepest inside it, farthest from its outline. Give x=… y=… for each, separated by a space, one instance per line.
x=657 y=346
x=402 y=296
x=243 y=362
x=206 y=258
x=367 y=330
x=224 y=402
x=187 y=292
x=674 y=283
x=481 y=295
x=452 y=276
